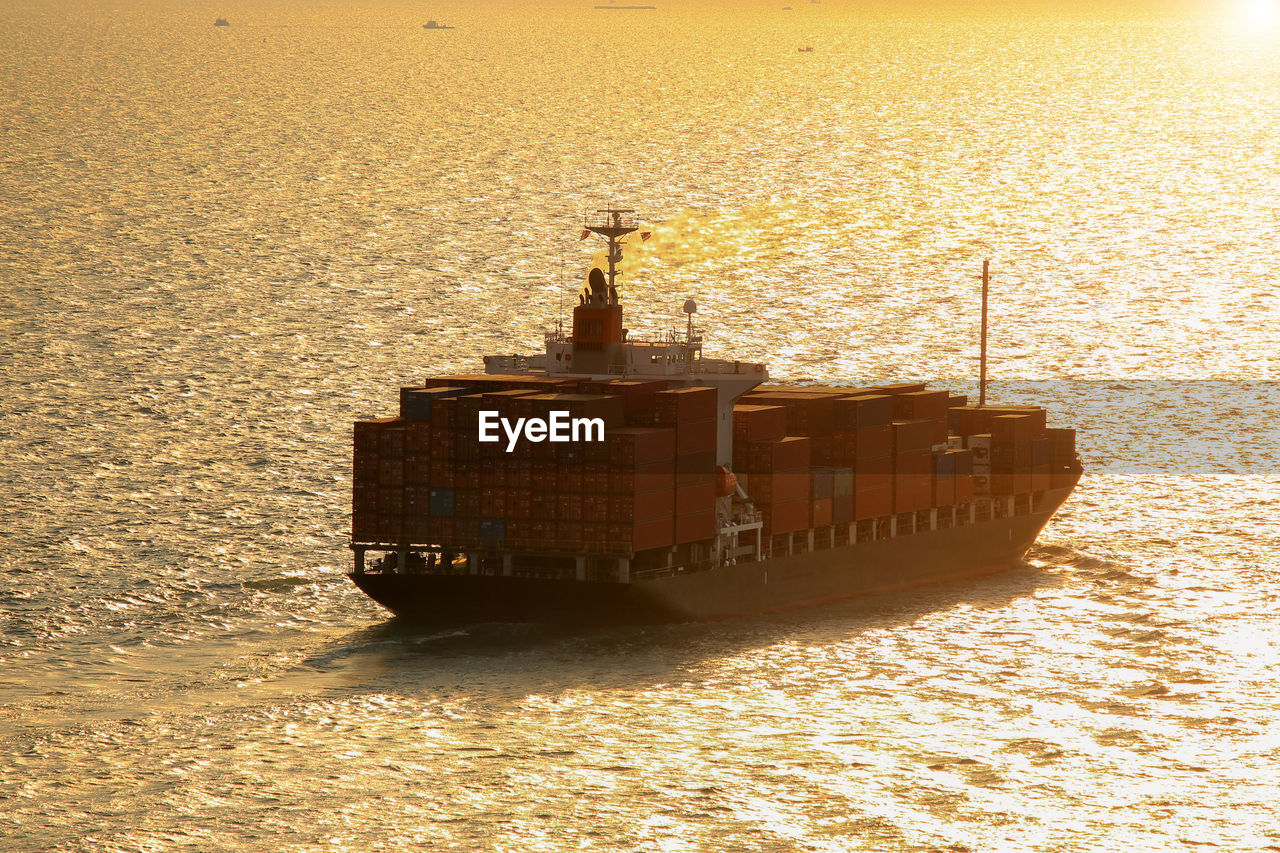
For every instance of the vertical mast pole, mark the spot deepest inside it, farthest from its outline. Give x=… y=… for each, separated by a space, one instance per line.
x=982 y=368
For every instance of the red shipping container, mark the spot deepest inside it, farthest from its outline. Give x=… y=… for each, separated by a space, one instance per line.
x=1062 y=444
x=912 y=492
x=368 y=434
x=364 y=526
x=639 y=445
x=417 y=469
x=595 y=478
x=440 y=530
x=1012 y=429
x=873 y=502
x=655 y=476
x=638 y=398
x=787 y=454
x=920 y=405
x=698 y=478
x=913 y=463
x=364 y=466
x=912 y=435
x=822 y=450
x=823 y=513
x=681 y=405
x=390 y=528
x=417 y=437
x=466 y=502
x=519 y=503
x=442 y=472
x=444 y=413
x=640 y=507
x=695 y=498
x=900 y=388
x=417 y=529
x=655 y=533
x=442 y=442
x=808 y=413
x=569 y=507
x=787 y=487
x=944 y=490
x=973 y=420
x=569 y=479
x=874 y=442
x=862 y=412
x=868 y=481
x=696 y=464
x=695 y=527
x=493 y=502
x=595 y=505
x=390 y=500
x=695 y=437
x=466 y=532
x=785 y=518
x=758 y=423
x=842 y=509
x=568 y=535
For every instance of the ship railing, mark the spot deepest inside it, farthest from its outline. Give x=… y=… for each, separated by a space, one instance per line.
x=720 y=365
x=611 y=219
x=507 y=363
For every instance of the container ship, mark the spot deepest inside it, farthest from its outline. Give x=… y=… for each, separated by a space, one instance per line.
x=617 y=479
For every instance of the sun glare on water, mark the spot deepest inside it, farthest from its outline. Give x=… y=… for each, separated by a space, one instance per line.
x=1258 y=12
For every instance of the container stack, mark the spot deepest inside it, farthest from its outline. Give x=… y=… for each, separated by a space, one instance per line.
x=912 y=449
x=425 y=478
x=1013 y=450
x=809 y=458
x=691 y=414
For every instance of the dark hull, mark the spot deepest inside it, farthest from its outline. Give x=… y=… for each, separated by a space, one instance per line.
x=780 y=583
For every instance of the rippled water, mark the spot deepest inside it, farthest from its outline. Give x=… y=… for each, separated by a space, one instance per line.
x=218 y=247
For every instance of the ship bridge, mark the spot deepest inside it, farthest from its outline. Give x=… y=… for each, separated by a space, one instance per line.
x=599 y=347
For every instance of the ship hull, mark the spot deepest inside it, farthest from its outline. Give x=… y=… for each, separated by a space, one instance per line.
x=779 y=583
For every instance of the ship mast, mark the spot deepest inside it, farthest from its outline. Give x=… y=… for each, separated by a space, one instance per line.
x=613 y=224
x=982 y=368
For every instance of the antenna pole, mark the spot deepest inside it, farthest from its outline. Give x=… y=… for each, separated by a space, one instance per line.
x=982 y=368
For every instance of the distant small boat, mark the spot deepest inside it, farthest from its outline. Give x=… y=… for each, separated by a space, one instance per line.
x=222 y=22
x=434 y=25
x=805 y=49
x=634 y=8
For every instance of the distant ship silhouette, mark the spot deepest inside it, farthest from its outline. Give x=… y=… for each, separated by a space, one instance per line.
x=222 y=22
x=434 y=25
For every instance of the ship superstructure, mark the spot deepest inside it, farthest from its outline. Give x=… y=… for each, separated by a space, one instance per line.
x=702 y=493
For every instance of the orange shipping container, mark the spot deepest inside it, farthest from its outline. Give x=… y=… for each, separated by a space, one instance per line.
x=655 y=476
x=873 y=502
x=639 y=445
x=758 y=423
x=787 y=454
x=695 y=527
x=695 y=437
x=681 y=405
x=695 y=498
x=785 y=518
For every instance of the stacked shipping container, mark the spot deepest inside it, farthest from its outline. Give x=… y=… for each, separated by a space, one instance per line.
x=426 y=478
x=808 y=457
